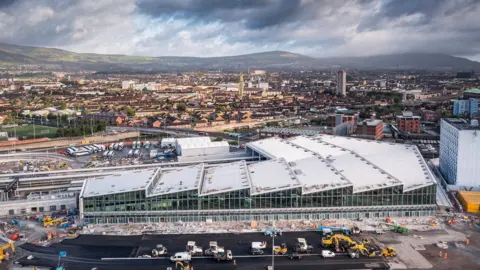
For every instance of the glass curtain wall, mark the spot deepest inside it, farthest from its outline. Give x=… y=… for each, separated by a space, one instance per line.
x=241 y=199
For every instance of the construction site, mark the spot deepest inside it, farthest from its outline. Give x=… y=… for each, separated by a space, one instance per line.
x=307 y=201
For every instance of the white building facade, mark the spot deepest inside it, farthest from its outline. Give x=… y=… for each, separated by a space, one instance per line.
x=341 y=82
x=460 y=153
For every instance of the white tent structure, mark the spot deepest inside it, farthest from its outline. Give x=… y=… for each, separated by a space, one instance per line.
x=201 y=146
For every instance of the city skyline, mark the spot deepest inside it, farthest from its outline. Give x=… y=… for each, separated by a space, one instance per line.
x=195 y=28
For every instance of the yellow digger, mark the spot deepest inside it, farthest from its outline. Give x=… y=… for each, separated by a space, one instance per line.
x=282 y=249
x=389 y=252
x=6 y=245
x=52 y=223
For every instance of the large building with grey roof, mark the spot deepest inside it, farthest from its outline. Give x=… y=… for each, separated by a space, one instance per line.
x=304 y=177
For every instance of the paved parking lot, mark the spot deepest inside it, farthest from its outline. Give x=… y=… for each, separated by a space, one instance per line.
x=108 y=252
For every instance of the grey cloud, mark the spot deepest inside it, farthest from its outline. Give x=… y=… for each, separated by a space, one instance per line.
x=227 y=27
x=257 y=14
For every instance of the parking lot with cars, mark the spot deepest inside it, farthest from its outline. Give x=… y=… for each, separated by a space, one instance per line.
x=108 y=252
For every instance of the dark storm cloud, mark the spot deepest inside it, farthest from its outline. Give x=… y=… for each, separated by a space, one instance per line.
x=6 y=3
x=428 y=9
x=257 y=14
x=226 y=27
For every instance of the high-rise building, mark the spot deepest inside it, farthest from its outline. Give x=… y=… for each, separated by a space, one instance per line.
x=465 y=107
x=341 y=82
x=460 y=152
x=241 y=85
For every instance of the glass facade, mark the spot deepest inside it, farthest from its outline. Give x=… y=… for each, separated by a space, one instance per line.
x=240 y=205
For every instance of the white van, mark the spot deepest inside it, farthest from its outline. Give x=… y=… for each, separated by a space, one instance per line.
x=327 y=254
x=181 y=257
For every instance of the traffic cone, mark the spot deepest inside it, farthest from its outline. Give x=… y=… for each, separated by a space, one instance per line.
x=446 y=256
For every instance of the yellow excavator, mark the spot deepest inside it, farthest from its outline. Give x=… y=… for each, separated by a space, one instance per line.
x=282 y=249
x=7 y=245
x=389 y=252
x=52 y=223
x=184 y=266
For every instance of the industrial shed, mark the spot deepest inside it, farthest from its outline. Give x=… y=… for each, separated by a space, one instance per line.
x=470 y=200
x=201 y=146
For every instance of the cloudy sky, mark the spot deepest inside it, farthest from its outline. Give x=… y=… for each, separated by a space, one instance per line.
x=317 y=28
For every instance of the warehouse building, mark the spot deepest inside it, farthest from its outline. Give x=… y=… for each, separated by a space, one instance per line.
x=201 y=146
x=319 y=177
x=470 y=201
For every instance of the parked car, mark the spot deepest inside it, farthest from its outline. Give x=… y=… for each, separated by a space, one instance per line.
x=256 y=251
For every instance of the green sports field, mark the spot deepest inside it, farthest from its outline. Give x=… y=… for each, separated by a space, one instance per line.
x=26 y=132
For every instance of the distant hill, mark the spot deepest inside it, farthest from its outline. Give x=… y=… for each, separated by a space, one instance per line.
x=274 y=60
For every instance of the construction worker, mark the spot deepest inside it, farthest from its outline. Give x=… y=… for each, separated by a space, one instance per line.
x=446 y=256
x=467 y=241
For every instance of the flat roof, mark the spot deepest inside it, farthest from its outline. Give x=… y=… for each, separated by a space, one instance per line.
x=460 y=124
x=363 y=174
x=279 y=148
x=225 y=178
x=404 y=162
x=316 y=175
x=272 y=176
x=176 y=180
x=122 y=181
x=290 y=131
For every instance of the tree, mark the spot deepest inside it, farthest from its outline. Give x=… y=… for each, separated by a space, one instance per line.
x=181 y=107
x=62 y=105
x=219 y=108
x=130 y=112
x=64 y=118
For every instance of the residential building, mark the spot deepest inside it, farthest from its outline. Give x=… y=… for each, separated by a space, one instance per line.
x=460 y=152
x=370 y=129
x=472 y=93
x=408 y=122
x=341 y=82
x=111 y=118
x=128 y=85
x=465 y=107
x=432 y=116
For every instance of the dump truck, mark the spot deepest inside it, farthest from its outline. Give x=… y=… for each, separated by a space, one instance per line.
x=282 y=249
x=193 y=250
x=397 y=228
x=223 y=256
x=302 y=246
x=159 y=251
x=213 y=248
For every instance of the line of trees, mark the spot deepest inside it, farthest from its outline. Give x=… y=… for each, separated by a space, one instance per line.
x=82 y=128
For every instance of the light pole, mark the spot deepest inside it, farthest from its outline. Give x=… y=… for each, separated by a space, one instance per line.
x=273 y=249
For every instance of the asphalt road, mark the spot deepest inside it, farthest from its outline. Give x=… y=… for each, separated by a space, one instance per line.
x=120 y=252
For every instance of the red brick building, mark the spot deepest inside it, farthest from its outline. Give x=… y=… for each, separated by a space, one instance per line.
x=408 y=122
x=369 y=129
